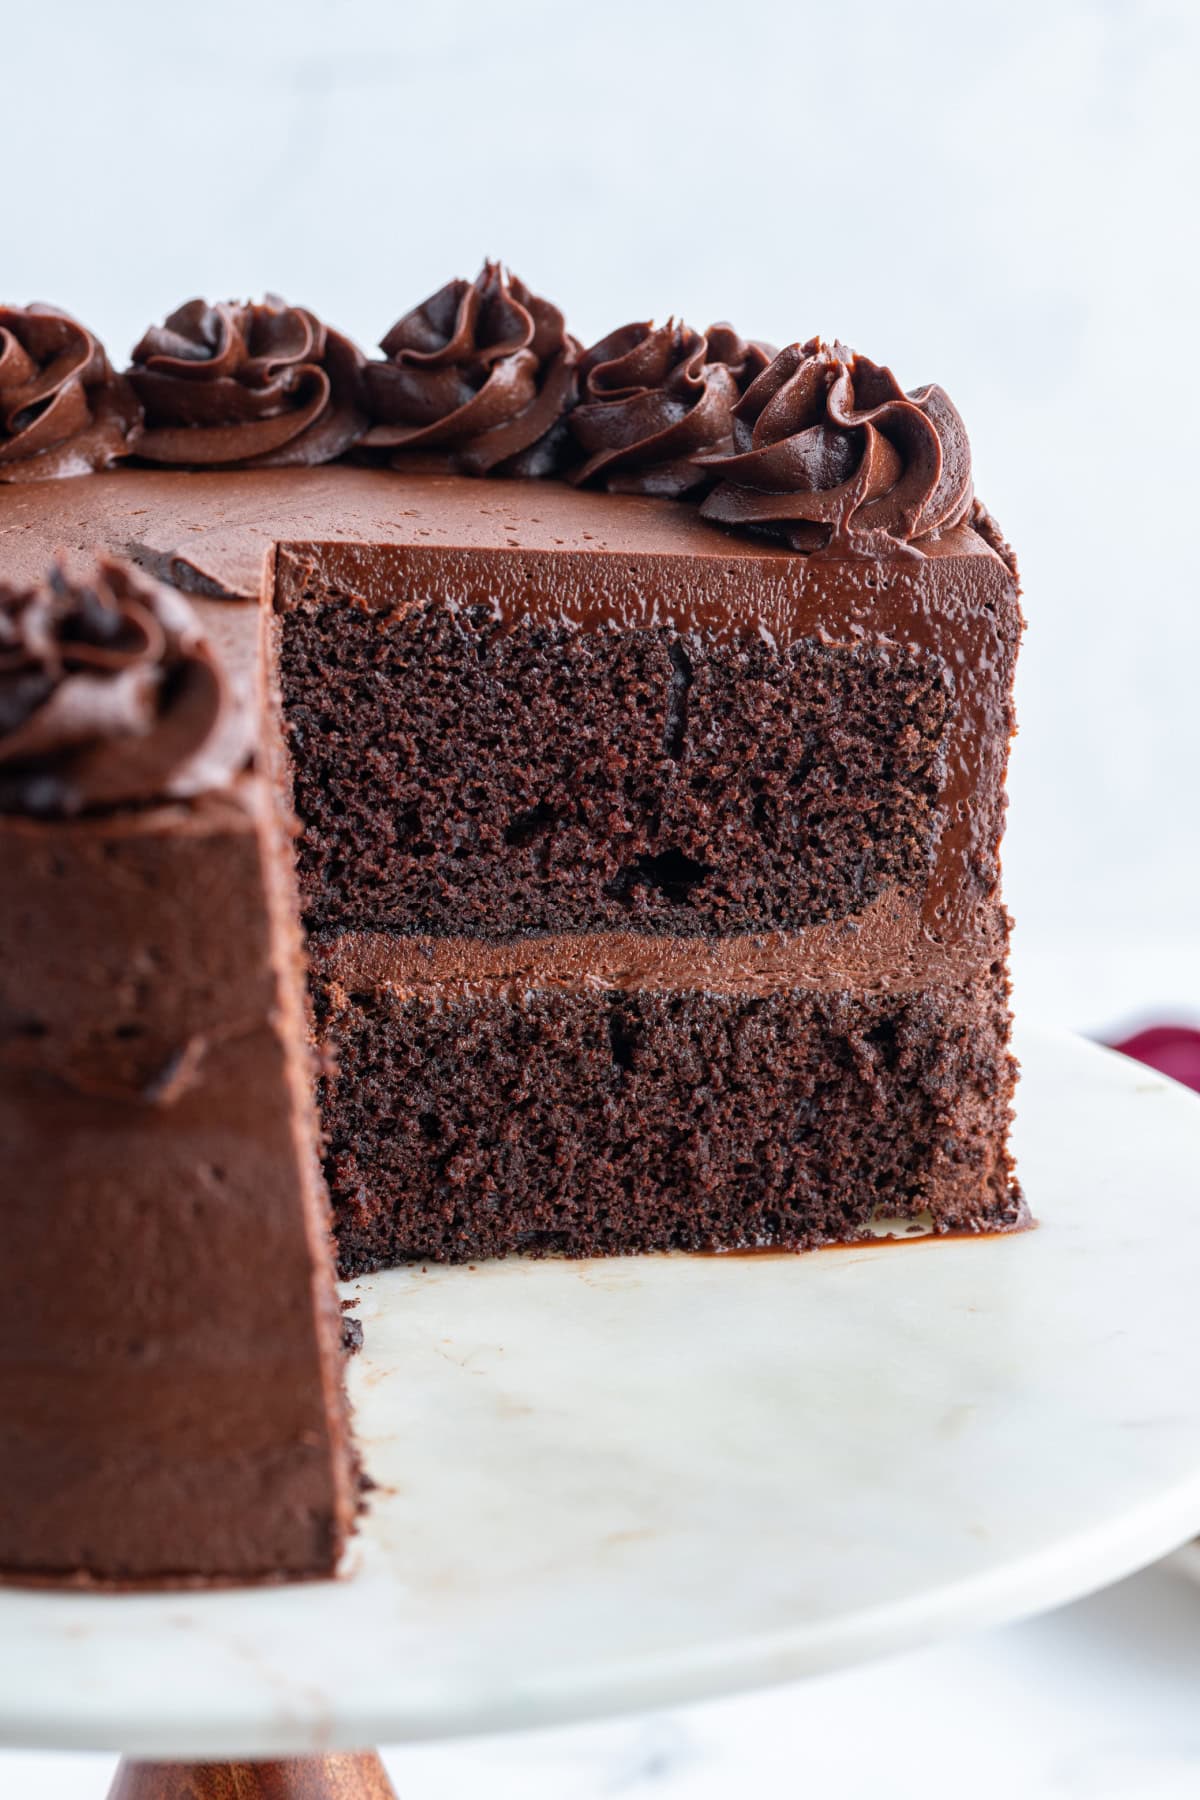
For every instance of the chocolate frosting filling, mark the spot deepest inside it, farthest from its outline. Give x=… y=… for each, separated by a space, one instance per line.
x=881 y=949
x=655 y=398
x=246 y=386
x=830 y=453
x=483 y=369
x=62 y=410
x=109 y=696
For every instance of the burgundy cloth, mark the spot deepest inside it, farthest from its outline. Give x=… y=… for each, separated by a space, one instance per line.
x=1173 y=1050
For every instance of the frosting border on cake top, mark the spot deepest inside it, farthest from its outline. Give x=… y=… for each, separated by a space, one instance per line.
x=814 y=445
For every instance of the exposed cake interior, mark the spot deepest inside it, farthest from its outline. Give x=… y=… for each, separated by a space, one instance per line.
x=618 y=902
x=456 y=774
x=470 y=1117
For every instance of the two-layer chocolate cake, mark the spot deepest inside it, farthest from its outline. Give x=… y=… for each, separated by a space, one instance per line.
x=626 y=729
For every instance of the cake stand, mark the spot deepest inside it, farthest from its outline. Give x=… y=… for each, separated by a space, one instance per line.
x=625 y=1484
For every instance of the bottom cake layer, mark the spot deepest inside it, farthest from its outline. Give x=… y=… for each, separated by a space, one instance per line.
x=477 y=1119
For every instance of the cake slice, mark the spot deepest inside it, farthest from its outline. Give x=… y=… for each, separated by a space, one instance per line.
x=651 y=886
x=171 y=1404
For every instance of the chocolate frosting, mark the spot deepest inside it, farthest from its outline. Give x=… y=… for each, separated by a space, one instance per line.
x=246 y=385
x=983 y=522
x=62 y=410
x=657 y=397
x=881 y=949
x=814 y=446
x=109 y=695
x=830 y=453
x=483 y=369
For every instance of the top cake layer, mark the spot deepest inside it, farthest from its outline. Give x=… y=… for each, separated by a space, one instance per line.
x=524 y=708
x=847 y=708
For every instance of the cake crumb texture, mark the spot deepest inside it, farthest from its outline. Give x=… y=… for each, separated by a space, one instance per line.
x=603 y=1123
x=456 y=777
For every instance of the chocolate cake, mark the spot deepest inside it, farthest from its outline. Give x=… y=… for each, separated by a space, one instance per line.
x=624 y=730
x=170 y=1384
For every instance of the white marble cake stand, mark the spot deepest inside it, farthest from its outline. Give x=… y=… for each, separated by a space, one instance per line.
x=624 y=1484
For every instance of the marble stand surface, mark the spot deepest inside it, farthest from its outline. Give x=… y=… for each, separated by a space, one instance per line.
x=632 y=1484
x=1096 y=1701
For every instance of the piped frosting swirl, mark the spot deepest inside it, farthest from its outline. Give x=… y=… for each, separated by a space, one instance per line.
x=109 y=696
x=830 y=453
x=483 y=370
x=654 y=399
x=814 y=445
x=62 y=410
x=246 y=385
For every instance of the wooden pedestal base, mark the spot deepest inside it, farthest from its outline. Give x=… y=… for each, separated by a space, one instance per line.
x=359 y=1776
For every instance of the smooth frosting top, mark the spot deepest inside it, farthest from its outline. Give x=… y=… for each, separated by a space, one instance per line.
x=483 y=369
x=830 y=452
x=62 y=410
x=655 y=398
x=109 y=696
x=815 y=446
x=246 y=386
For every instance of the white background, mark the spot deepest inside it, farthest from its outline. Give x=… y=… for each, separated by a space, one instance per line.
x=1000 y=197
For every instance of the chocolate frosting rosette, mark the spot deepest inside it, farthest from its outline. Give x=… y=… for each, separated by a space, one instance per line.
x=246 y=385
x=109 y=696
x=483 y=370
x=62 y=410
x=830 y=453
x=654 y=398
